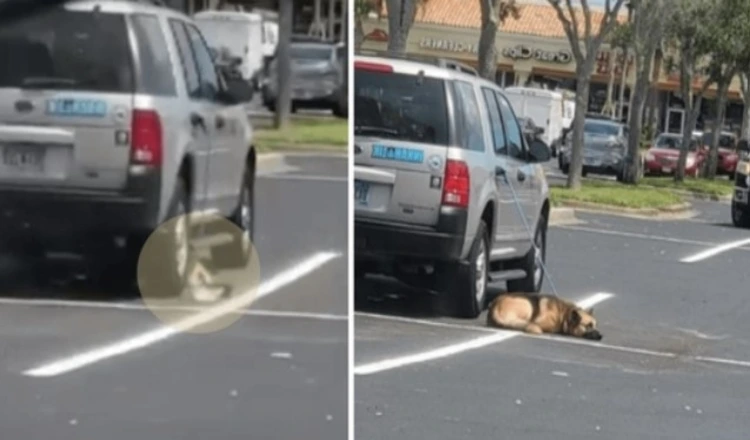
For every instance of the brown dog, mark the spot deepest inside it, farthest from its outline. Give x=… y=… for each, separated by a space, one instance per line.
x=537 y=314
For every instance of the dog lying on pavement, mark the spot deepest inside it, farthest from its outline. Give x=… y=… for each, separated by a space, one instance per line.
x=537 y=314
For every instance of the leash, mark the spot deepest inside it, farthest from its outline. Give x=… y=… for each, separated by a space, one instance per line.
x=545 y=272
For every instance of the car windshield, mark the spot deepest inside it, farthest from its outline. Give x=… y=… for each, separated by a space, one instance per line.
x=725 y=140
x=595 y=127
x=308 y=52
x=61 y=49
x=675 y=143
x=400 y=107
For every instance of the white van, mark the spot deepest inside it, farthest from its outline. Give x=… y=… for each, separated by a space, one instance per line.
x=240 y=32
x=544 y=107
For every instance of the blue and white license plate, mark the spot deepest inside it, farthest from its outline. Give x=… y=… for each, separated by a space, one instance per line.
x=361 y=192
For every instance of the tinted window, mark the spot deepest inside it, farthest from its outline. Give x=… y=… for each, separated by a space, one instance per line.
x=467 y=108
x=400 y=107
x=189 y=69
x=603 y=128
x=512 y=130
x=674 y=142
x=59 y=49
x=496 y=123
x=725 y=141
x=206 y=69
x=310 y=52
x=155 y=77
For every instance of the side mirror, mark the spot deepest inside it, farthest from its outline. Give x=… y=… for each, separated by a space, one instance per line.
x=539 y=151
x=235 y=91
x=538 y=131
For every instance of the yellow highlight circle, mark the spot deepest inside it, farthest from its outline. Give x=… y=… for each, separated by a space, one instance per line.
x=197 y=271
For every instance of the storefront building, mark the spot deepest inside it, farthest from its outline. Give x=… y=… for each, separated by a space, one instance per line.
x=532 y=51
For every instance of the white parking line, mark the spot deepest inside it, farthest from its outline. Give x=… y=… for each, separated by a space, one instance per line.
x=138 y=306
x=645 y=236
x=449 y=350
x=143 y=340
x=715 y=250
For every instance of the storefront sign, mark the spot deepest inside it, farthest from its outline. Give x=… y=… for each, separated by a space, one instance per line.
x=522 y=52
x=447 y=45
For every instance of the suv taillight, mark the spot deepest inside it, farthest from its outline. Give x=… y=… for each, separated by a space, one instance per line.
x=457 y=184
x=147 y=142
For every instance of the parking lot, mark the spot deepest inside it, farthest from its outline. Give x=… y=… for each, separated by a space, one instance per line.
x=674 y=362
x=111 y=371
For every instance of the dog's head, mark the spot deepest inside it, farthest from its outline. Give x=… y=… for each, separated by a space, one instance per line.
x=582 y=324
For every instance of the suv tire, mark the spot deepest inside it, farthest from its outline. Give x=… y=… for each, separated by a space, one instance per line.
x=235 y=254
x=740 y=217
x=469 y=296
x=175 y=273
x=534 y=279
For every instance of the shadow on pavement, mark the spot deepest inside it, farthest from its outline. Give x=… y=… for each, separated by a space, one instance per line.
x=387 y=296
x=34 y=279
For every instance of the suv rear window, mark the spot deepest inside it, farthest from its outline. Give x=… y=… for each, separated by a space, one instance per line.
x=69 y=50
x=401 y=107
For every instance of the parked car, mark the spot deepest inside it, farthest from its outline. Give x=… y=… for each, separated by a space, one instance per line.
x=741 y=201
x=100 y=149
x=434 y=191
x=662 y=156
x=319 y=77
x=604 y=148
x=727 y=151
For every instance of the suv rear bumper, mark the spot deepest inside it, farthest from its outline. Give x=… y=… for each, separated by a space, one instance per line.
x=71 y=216
x=443 y=243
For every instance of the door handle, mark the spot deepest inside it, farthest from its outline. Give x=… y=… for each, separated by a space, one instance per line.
x=499 y=171
x=197 y=120
x=521 y=176
x=220 y=122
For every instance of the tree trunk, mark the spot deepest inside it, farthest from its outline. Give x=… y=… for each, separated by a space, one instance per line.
x=691 y=113
x=609 y=107
x=582 y=106
x=400 y=18
x=745 y=131
x=721 y=107
x=284 y=95
x=623 y=83
x=359 y=34
x=487 y=48
x=635 y=115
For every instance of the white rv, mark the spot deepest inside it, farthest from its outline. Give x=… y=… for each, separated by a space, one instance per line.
x=545 y=107
x=241 y=33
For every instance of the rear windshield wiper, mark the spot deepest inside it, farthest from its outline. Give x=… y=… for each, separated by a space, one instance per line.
x=48 y=81
x=368 y=129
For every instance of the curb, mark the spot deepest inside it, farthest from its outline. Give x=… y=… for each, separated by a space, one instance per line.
x=563 y=216
x=677 y=211
x=268 y=162
x=711 y=197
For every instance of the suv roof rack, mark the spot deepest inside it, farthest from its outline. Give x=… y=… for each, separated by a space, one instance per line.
x=445 y=63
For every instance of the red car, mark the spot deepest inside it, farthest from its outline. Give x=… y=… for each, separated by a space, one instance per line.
x=728 y=156
x=661 y=157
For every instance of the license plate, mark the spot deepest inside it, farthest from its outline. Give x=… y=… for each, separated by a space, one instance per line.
x=24 y=159
x=361 y=192
x=666 y=170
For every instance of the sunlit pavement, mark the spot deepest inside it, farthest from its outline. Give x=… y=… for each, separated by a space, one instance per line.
x=674 y=361
x=278 y=372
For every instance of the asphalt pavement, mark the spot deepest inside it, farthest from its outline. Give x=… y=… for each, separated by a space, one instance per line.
x=81 y=363
x=671 y=303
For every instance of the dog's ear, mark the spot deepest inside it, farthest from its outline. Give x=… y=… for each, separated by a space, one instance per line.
x=575 y=318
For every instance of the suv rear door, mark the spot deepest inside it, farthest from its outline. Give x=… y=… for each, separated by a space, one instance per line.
x=66 y=93
x=401 y=140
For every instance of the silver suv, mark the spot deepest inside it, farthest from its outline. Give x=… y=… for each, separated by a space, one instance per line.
x=113 y=119
x=439 y=155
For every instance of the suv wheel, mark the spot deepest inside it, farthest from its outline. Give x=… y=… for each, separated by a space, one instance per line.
x=740 y=216
x=534 y=279
x=469 y=297
x=236 y=254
